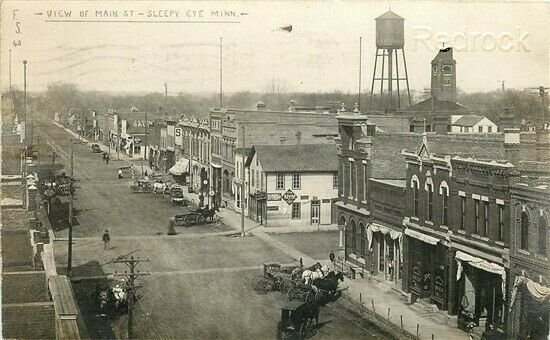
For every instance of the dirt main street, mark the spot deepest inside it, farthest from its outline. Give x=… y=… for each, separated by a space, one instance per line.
x=200 y=285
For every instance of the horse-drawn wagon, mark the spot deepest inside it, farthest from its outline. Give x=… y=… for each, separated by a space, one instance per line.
x=297 y=320
x=195 y=217
x=141 y=186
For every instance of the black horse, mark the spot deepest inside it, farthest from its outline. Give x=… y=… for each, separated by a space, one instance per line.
x=210 y=213
x=329 y=282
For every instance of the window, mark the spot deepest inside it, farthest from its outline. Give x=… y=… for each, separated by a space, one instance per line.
x=296 y=183
x=485 y=218
x=365 y=180
x=262 y=180
x=296 y=211
x=252 y=176
x=280 y=181
x=351 y=179
x=434 y=69
x=353 y=238
x=445 y=212
x=524 y=236
x=362 y=249
x=480 y=128
x=489 y=129
x=430 y=201
x=257 y=177
x=477 y=217
x=542 y=235
x=501 y=223
x=447 y=69
x=335 y=180
x=415 y=193
x=462 y=212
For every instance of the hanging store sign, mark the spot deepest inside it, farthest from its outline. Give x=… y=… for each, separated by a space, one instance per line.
x=289 y=197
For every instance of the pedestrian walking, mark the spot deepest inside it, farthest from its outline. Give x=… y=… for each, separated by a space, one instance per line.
x=107 y=159
x=332 y=258
x=106 y=239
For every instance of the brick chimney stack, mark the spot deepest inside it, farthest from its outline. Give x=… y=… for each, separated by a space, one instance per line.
x=511 y=145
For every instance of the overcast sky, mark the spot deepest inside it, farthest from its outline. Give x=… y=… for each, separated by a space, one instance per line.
x=493 y=41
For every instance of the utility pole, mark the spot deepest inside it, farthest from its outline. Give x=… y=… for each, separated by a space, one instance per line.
x=25 y=107
x=146 y=138
x=118 y=139
x=242 y=186
x=165 y=89
x=131 y=286
x=360 y=51
x=221 y=72
x=70 y=250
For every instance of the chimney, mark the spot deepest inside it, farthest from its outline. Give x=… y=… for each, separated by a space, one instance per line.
x=511 y=145
x=299 y=137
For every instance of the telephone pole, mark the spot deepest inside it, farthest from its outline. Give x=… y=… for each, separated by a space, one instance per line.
x=70 y=250
x=360 y=52
x=131 y=286
x=242 y=187
x=221 y=72
x=146 y=138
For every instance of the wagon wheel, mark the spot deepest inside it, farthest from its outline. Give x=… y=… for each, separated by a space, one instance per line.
x=200 y=219
x=289 y=296
x=304 y=329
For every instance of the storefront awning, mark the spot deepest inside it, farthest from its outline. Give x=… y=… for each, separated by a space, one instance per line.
x=394 y=235
x=422 y=237
x=537 y=291
x=181 y=167
x=480 y=264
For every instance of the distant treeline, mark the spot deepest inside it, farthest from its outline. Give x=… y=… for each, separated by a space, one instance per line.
x=61 y=97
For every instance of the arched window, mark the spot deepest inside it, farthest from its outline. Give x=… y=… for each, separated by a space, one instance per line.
x=353 y=241
x=524 y=243
x=415 y=185
x=362 y=249
x=444 y=192
x=542 y=236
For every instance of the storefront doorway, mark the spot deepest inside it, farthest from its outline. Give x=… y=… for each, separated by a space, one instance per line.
x=387 y=256
x=429 y=272
x=315 y=212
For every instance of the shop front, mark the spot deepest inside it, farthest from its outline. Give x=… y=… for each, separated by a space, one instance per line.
x=257 y=209
x=386 y=252
x=427 y=268
x=532 y=301
x=481 y=293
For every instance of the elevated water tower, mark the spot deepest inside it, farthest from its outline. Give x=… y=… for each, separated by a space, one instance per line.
x=390 y=40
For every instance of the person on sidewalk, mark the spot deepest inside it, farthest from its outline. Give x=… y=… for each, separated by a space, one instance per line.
x=106 y=239
x=332 y=259
x=119 y=173
x=107 y=159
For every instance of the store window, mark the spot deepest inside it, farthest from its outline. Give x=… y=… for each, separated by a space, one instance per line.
x=296 y=181
x=296 y=211
x=362 y=247
x=280 y=181
x=543 y=235
x=353 y=237
x=524 y=232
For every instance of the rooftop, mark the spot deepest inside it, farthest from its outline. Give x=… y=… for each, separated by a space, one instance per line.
x=439 y=106
x=389 y=15
x=298 y=158
x=468 y=120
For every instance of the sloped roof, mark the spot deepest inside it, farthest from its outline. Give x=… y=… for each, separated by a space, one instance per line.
x=389 y=15
x=388 y=162
x=439 y=106
x=468 y=120
x=298 y=158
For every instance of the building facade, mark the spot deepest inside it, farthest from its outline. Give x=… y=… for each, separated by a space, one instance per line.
x=529 y=260
x=283 y=189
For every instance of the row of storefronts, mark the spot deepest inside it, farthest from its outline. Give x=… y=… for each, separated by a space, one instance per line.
x=443 y=231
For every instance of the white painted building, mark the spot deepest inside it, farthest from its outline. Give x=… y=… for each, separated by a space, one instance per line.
x=290 y=184
x=472 y=124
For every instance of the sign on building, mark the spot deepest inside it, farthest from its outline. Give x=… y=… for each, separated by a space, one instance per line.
x=289 y=197
x=178 y=132
x=274 y=196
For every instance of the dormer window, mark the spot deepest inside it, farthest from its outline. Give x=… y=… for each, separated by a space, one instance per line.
x=434 y=69
x=447 y=69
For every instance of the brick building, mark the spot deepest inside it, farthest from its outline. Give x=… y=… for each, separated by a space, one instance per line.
x=529 y=265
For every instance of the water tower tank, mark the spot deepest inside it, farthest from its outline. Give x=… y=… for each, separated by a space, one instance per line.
x=390 y=31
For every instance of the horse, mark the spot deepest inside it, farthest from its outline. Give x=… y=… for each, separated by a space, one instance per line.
x=329 y=282
x=308 y=276
x=296 y=273
x=307 y=311
x=209 y=214
x=159 y=187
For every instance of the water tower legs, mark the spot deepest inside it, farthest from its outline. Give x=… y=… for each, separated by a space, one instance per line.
x=389 y=77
